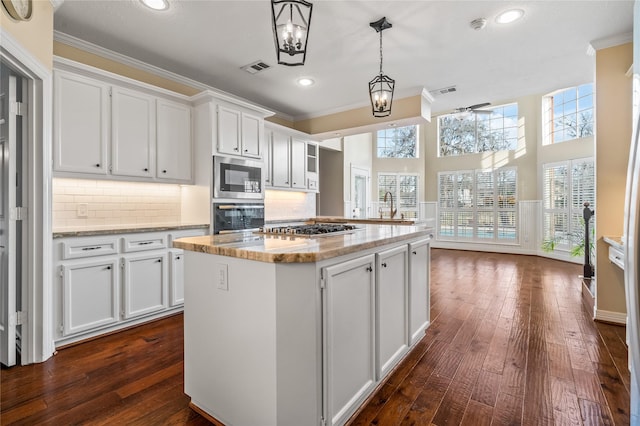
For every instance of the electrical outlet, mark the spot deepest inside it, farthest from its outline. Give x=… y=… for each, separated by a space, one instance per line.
x=82 y=210
x=222 y=276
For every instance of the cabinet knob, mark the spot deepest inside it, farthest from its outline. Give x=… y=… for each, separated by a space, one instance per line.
x=235 y=149
x=177 y=257
x=159 y=260
x=414 y=252
x=384 y=265
x=286 y=183
x=108 y=267
x=369 y=269
x=98 y=165
x=145 y=169
x=164 y=171
x=246 y=150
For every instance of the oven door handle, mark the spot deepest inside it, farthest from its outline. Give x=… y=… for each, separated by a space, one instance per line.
x=237 y=231
x=246 y=206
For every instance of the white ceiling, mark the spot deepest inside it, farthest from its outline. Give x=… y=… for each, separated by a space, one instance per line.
x=431 y=45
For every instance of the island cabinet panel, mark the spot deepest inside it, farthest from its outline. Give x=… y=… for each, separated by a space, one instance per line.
x=349 y=336
x=392 y=309
x=176 y=277
x=419 y=300
x=90 y=294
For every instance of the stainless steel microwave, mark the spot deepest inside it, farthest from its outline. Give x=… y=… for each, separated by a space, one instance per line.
x=237 y=178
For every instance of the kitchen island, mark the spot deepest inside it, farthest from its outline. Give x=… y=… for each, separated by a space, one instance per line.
x=291 y=330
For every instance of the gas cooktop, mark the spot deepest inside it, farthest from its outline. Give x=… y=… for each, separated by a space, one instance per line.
x=319 y=229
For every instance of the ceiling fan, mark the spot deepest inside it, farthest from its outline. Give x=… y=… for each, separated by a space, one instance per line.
x=475 y=108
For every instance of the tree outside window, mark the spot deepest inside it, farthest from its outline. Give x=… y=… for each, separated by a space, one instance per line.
x=568 y=114
x=398 y=142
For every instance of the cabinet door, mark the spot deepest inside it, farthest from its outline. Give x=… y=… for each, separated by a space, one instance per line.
x=174 y=145
x=280 y=160
x=229 y=130
x=144 y=284
x=252 y=131
x=267 y=157
x=90 y=295
x=176 y=281
x=133 y=133
x=392 y=309
x=298 y=163
x=419 y=257
x=312 y=165
x=81 y=124
x=348 y=337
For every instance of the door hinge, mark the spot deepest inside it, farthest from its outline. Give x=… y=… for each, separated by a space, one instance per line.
x=18 y=213
x=61 y=272
x=18 y=108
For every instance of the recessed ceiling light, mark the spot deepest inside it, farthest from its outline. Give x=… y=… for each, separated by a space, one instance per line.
x=305 y=81
x=156 y=4
x=509 y=16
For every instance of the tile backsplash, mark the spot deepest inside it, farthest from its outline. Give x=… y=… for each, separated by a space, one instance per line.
x=282 y=205
x=87 y=203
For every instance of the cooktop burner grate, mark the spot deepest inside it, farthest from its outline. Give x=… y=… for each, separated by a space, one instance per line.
x=317 y=229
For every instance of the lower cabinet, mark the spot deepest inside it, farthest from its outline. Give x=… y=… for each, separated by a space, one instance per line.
x=108 y=282
x=90 y=291
x=349 y=336
x=419 y=300
x=144 y=284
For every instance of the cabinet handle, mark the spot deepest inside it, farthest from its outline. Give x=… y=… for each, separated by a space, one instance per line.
x=159 y=260
x=246 y=150
x=235 y=149
x=145 y=169
x=98 y=165
x=164 y=171
x=108 y=268
x=384 y=265
x=144 y=243
x=369 y=269
x=414 y=252
x=91 y=248
x=177 y=257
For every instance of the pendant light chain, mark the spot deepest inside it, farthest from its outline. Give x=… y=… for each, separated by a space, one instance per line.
x=380 y=52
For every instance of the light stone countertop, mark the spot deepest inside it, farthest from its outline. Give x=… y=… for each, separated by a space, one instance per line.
x=124 y=229
x=295 y=249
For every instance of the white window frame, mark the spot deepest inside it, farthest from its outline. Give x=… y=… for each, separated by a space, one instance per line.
x=392 y=129
x=382 y=206
x=573 y=209
x=505 y=129
x=548 y=118
x=493 y=207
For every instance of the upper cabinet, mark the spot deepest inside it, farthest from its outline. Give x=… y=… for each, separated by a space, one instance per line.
x=113 y=127
x=239 y=133
x=292 y=160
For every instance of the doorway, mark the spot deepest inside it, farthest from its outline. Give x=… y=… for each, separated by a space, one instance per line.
x=360 y=192
x=12 y=131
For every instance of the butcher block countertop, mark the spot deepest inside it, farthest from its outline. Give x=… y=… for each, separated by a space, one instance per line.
x=296 y=249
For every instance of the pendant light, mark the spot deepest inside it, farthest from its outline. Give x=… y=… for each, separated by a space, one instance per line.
x=291 y=21
x=381 y=87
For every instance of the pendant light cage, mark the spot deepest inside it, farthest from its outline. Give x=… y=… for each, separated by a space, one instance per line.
x=291 y=20
x=381 y=87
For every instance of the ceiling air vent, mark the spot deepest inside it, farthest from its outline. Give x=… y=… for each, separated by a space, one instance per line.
x=443 y=91
x=256 y=67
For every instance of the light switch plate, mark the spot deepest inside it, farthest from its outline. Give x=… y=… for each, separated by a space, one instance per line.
x=221 y=276
x=82 y=210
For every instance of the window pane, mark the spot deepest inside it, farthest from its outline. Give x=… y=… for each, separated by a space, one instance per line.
x=507 y=225
x=484 y=228
x=446 y=224
x=572 y=114
x=465 y=224
x=399 y=142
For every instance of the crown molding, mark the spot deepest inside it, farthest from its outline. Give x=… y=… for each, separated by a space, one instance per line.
x=606 y=42
x=152 y=69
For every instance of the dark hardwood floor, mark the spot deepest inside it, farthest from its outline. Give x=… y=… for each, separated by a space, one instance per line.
x=510 y=344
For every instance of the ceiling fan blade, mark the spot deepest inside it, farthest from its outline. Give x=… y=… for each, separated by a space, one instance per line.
x=476 y=106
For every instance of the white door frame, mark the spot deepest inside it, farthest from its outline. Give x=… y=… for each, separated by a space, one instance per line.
x=37 y=302
x=359 y=170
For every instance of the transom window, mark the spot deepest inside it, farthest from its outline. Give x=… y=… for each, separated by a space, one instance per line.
x=485 y=130
x=478 y=205
x=398 y=142
x=568 y=114
x=404 y=188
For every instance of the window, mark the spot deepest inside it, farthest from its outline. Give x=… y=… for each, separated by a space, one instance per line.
x=568 y=114
x=478 y=131
x=478 y=205
x=404 y=188
x=566 y=186
x=398 y=142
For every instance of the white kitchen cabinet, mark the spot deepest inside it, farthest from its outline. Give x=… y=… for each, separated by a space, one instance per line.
x=174 y=143
x=391 y=309
x=133 y=133
x=176 y=277
x=281 y=160
x=239 y=133
x=312 y=166
x=81 y=124
x=144 y=284
x=89 y=294
x=267 y=157
x=116 y=128
x=298 y=163
x=349 y=336
x=419 y=300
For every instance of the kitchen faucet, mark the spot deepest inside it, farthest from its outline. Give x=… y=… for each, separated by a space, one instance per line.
x=392 y=212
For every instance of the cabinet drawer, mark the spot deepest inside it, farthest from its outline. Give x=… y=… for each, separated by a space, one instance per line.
x=143 y=242
x=174 y=235
x=75 y=249
x=616 y=257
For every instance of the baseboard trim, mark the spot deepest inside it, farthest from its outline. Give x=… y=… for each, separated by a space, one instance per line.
x=611 y=317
